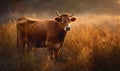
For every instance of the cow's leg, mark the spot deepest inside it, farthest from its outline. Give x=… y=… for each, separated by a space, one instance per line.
x=51 y=53
x=29 y=46
x=20 y=42
x=57 y=48
x=54 y=49
x=56 y=52
x=51 y=50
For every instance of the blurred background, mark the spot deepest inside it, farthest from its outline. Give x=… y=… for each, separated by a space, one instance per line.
x=10 y=9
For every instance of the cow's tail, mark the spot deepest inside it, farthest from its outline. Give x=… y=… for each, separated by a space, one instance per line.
x=18 y=34
x=18 y=22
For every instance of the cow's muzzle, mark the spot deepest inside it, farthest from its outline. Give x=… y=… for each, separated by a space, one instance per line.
x=67 y=28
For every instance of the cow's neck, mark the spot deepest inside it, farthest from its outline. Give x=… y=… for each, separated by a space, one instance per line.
x=62 y=34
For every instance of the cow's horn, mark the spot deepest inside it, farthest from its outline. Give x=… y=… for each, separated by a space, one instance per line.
x=72 y=14
x=58 y=14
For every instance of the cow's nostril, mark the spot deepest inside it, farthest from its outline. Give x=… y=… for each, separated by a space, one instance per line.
x=67 y=28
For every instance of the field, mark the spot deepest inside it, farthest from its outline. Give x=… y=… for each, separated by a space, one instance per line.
x=93 y=44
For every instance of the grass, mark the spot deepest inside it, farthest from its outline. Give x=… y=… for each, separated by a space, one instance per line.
x=93 y=44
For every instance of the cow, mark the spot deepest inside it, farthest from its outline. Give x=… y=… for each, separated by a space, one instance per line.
x=44 y=33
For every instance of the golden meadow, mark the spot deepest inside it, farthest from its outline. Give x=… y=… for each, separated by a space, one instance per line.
x=93 y=44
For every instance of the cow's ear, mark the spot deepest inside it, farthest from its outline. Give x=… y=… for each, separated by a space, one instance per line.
x=58 y=19
x=73 y=19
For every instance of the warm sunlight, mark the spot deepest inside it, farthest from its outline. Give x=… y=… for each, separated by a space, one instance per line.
x=118 y=2
x=35 y=35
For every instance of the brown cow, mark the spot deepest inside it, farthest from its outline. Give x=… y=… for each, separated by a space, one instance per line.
x=44 y=33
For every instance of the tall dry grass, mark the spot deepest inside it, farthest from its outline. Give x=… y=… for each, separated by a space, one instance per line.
x=93 y=44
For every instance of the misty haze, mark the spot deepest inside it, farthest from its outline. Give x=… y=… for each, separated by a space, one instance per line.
x=92 y=44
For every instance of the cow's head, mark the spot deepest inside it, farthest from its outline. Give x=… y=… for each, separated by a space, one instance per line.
x=64 y=20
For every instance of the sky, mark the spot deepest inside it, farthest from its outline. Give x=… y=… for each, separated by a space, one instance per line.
x=15 y=8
